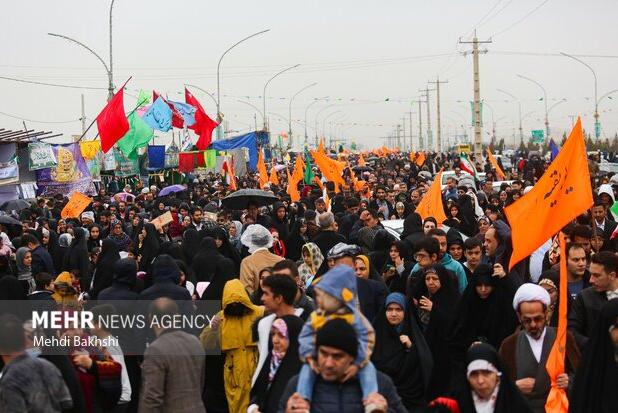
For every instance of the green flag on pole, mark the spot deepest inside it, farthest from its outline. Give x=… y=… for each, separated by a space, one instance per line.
x=308 y=177
x=143 y=98
x=138 y=135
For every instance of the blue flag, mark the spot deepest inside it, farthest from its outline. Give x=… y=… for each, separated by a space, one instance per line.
x=553 y=148
x=159 y=116
x=186 y=111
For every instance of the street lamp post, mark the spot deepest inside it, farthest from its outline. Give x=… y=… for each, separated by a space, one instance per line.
x=219 y=114
x=306 y=110
x=324 y=121
x=544 y=99
x=254 y=107
x=597 y=126
x=291 y=142
x=264 y=93
x=210 y=95
x=317 y=115
x=108 y=68
x=521 y=131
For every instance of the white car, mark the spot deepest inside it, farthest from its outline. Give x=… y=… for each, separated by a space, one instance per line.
x=395 y=228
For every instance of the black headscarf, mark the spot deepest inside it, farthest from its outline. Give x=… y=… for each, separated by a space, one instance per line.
x=490 y=320
x=226 y=248
x=172 y=249
x=381 y=246
x=211 y=266
x=149 y=248
x=190 y=244
x=104 y=269
x=92 y=243
x=267 y=393
x=596 y=380
x=436 y=330
x=412 y=230
x=77 y=259
x=401 y=364
x=509 y=399
x=12 y=290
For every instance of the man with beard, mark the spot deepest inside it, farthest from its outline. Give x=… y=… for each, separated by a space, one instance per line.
x=525 y=352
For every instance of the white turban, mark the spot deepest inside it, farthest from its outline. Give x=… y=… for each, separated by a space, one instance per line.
x=88 y=215
x=256 y=236
x=531 y=292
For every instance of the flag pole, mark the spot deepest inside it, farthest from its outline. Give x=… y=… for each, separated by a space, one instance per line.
x=95 y=119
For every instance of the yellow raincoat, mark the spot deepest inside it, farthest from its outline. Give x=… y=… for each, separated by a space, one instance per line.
x=237 y=344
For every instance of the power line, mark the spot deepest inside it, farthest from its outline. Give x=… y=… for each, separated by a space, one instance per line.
x=51 y=84
x=531 y=12
x=37 y=121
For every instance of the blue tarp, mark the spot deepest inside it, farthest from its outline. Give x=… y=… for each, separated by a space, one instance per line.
x=243 y=141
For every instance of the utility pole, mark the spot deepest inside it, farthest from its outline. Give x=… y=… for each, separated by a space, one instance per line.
x=403 y=127
x=429 y=133
x=439 y=125
x=83 y=117
x=398 y=136
x=478 y=149
x=410 y=148
x=420 y=126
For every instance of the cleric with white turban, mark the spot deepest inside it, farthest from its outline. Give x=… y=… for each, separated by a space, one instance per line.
x=531 y=292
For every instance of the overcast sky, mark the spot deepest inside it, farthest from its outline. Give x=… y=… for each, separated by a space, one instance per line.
x=359 y=52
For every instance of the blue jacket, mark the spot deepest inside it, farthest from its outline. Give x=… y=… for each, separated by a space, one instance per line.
x=453 y=266
x=339 y=282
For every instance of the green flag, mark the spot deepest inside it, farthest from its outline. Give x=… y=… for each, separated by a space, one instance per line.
x=143 y=98
x=308 y=170
x=138 y=135
x=614 y=209
x=210 y=158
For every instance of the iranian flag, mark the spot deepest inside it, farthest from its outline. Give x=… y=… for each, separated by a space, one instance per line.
x=467 y=165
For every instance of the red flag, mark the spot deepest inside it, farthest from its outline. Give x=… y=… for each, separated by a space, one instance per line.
x=112 y=122
x=203 y=126
x=177 y=120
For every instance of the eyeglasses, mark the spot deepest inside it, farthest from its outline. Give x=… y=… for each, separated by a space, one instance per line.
x=420 y=255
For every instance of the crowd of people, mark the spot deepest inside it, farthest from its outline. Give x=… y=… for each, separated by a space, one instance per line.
x=323 y=307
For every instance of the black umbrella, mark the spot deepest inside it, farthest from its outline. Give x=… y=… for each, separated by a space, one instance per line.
x=7 y=220
x=363 y=168
x=15 y=205
x=241 y=199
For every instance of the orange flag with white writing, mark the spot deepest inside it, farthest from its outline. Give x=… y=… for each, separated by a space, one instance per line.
x=562 y=193
x=431 y=204
x=494 y=163
x=76 y=205
x=262 y=172
x=557 y=401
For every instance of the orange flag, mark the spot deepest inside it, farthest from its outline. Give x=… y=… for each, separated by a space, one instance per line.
x=292 y=188
x=76 y=205
x=494 y=163
x=331 y=169
x=321 y=146
x=274 y=179
x=412 y=155
x=299 y=169
x=562 y=193
x=420 y=159
x=361 y=160
x=261 y=167
x=431 y=204
x=557 y=401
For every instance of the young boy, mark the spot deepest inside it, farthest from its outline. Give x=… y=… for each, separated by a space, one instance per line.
x=336 y=297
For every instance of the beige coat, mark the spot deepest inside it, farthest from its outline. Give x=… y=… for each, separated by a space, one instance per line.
x=251 y=266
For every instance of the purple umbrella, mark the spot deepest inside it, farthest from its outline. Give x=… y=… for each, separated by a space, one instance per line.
x=172 y=189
